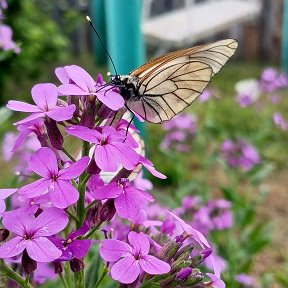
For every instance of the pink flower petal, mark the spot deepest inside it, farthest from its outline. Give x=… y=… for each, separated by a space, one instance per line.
x=112 y=190
x=63 y=194
x=45 y=95
x=111 y=99
x=75 y=169
x=22 y=106
x=71 y=89
x=126 y=270
x=113 y=250
x=105 y=158
x=80 y=248
x=139 y=242
x=2 y=207
x=128 y=205
x=42 y=250
x=12 y=247
x=80 y=77
x=49 y=222
x=144 y=194
x=62 y=75
x=29 y=118
x=84 y=133
x=129 y=158
x=36 y=188
x=61 y=113
x=16 y=223
x=217 y=282
x=4 y=193
x=44 y=162
x=153 y=265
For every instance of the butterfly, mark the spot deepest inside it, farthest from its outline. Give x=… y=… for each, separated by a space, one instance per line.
x=165 y=86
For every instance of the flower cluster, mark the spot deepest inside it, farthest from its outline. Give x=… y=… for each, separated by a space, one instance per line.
x=240 y=154
x=180 y=133
x=69 y=193
x=6 y=33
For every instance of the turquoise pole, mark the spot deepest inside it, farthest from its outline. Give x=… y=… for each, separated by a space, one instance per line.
x=285 y=37
x=98 y=18
x=125 y=38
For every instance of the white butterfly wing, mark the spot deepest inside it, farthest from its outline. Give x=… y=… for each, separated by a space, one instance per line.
x=175 y=80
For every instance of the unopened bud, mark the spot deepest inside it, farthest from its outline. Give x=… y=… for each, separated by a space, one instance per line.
x=107 y=211
x=198 y=259
x=93 y=168
x=180 y=264
x=77 y=265
x=29 y=265
x=93 y=214
x=184 y=273
x=184 y=253
x=58 y=267
x=168 y=226
x=169 y=250
x=195 y=278
x=89 y=113
x=4 y=234
x=54 y=134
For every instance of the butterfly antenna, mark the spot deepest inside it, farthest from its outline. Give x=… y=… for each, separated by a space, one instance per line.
x=102 y=43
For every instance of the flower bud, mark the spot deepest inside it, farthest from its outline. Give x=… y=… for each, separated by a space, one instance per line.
x=168 y=226
x=29 y=265
x=198 y=259
x=54 y=134
x=4 y=234
x=58 y=267
x=184 y=273
x=180 y=264
x=169 y=250
x=77 y=265
x=93 y=168
x=93 y=214
x=107 y=211
x=184 y=253
x=89 y=113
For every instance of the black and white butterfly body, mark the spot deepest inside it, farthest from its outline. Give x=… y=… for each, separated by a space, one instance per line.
x=163 y=87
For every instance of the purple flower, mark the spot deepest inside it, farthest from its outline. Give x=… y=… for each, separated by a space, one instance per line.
x=205 y=96
x=271 y=80
x=35 y=126
x=246 y=280
x=248 y=92
x=44 y=272
x=240 y=153
x=45 y=96
x=6 y=42
x=131 y=260
x=32 y=234
x=76 y=81
x=182 y=227
x=5 y=193
x=215 y=282
x=110 y=151
x=72 y=247
x=54 y=181
x=128 y=199
x=280 y=121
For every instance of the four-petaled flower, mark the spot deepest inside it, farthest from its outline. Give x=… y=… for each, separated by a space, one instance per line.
x=110 y=149
x=128 y=199
x=55 y=181
x=32 y=234
x=46 y=97
x=76 y=81
x=131 y=260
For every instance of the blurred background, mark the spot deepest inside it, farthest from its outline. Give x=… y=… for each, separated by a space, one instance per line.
x=231 y=145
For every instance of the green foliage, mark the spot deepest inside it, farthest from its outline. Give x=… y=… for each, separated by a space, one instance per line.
x=42 y=45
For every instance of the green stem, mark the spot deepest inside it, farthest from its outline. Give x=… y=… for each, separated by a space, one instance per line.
x=79 y=279
x=72 y=215
x=92 y=231
x=64 y=283
x=8 y=272
x=104 y=273
x=68 y=154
